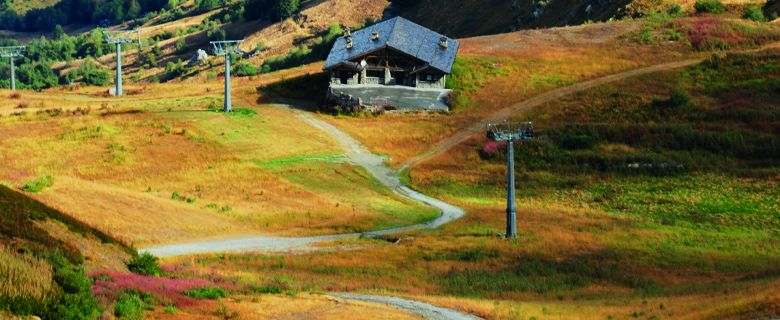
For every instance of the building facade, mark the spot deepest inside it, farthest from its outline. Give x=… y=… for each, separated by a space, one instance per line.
x=392 y=52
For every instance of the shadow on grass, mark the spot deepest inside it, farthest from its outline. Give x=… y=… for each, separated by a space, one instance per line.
x=310 y=87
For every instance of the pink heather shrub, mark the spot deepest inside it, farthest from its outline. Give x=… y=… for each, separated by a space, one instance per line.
x=109 y=285
x=172 y=268
x=332 y=287
x=23 y=105
x=494 y=147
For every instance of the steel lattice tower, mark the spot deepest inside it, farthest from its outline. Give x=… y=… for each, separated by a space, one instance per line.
x=510 y=131
x=120 y=37
x=226 y=48
x=11 y=53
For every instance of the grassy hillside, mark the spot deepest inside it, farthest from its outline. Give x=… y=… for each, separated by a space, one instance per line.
x=43 y=274
x=205 y=173
x=19 y=227
x=651 y=197
x=470 y=18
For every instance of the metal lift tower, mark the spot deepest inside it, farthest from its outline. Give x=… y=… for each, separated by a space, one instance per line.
x=510 y=131
x=11 y=53
x=226 y=48
x=120 y=37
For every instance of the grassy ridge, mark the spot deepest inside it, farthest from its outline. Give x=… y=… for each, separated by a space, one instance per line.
x=48 y=282
x=16 y=222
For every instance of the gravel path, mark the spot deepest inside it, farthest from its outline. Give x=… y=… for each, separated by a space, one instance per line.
x=357 y=154
x=426 y=310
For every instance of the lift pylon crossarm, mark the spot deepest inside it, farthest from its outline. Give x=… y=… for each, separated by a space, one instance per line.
x=510 y=130
x=13 y=51
x=225 y=47
x=123 y=36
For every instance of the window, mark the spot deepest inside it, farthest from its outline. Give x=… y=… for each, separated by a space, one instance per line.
x=430 y=77
x=375 y=73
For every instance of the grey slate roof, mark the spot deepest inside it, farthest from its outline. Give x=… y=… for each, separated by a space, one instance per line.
x=402 y=35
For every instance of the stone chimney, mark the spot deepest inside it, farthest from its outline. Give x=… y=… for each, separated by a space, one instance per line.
x=375 y=35
x=348 y=38
x=443 y=42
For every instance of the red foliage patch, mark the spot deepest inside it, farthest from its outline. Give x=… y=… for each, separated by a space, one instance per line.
x=109 y=285
x=494 y=147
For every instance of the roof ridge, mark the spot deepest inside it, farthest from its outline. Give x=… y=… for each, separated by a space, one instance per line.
x=392 y=29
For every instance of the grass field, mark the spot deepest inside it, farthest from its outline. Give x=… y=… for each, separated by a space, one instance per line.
x=651 y=197
x=205 y=173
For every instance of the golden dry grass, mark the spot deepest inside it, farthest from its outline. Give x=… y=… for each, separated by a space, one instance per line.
x=23 y=276
x=118 y=165
x=97 y=255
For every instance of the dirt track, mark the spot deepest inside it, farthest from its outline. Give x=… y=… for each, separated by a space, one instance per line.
x=469 y=131
x=358 y=155
x=426 y=310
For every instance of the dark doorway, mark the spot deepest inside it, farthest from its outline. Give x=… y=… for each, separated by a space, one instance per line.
x=344 y=76
x=400 y=77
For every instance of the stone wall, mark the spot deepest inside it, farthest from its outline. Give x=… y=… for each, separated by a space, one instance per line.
x=373 y=80
x=431 y=84
x=342 y=99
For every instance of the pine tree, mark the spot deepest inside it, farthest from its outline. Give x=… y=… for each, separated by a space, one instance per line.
x=58 y=33
x=207 y=5
x=285 y=9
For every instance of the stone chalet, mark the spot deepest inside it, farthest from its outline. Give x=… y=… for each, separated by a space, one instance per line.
x=392 y=52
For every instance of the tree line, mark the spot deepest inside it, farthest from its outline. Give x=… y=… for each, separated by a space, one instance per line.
x=78 y=11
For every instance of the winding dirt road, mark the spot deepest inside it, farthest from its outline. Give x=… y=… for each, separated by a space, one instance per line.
x=358 y=155
x=502 y=114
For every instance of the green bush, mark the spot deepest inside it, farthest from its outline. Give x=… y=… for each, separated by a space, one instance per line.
x=72 y=280
x=216 y=34
x=243 y=112
x=75 y=301
x=244 y=69
x=129 y=307
x=267 y=289
x=76 y=306
x=578 y=142
x=753 y=12
x=674 y=9
x=206 y=292
x=37 y=185
x=181 y=44
x=711 y=6
x=92 y=75
x=144 y=264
